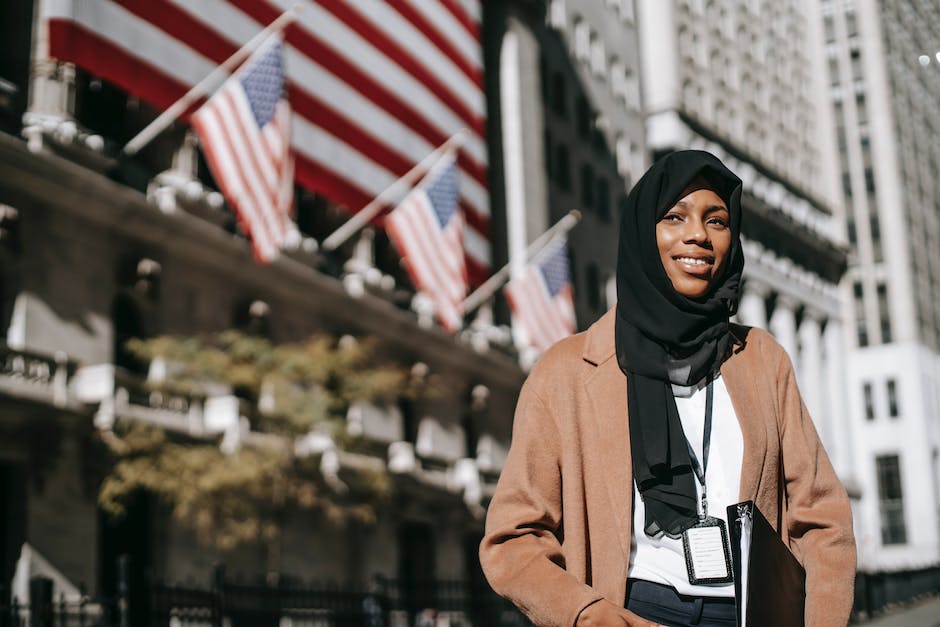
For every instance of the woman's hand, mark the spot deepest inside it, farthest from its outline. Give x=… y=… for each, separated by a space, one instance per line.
x=606 y=614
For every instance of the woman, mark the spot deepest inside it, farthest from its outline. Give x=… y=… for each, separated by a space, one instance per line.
x=609 y=469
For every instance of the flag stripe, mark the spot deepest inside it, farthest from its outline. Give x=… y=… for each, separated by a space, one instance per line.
x=156 y=49
x=543 y=319
x=437 y=26
x=427 y=228
x=219 y=156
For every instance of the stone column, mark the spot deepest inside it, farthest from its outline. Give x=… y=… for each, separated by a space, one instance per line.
x=752 y=310
x=810 y=373
x=51 y=90
x=840 y=443
x=783 y=325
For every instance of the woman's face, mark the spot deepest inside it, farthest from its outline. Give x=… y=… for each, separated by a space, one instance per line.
x=694 y=239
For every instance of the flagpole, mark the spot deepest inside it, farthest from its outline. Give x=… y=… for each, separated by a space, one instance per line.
x=375 y=206
x=492 y=284
x=175 y=110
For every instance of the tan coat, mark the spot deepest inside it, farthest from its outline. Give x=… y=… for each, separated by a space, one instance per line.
x=558 y=528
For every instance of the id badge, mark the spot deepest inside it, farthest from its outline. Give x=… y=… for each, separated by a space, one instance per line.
x=707 y=555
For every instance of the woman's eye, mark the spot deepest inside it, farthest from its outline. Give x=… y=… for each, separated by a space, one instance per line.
x=671 y=217
x=719 y=221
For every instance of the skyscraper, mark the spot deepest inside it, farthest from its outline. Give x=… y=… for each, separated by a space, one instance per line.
x=884 y=92
x=741 y=80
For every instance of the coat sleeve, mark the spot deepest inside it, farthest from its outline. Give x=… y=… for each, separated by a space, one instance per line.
x=819 y=517
x=520 y=553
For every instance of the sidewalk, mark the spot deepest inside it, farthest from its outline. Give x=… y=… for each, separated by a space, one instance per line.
x=923 y=614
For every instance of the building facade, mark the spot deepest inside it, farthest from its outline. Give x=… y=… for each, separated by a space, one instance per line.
x=98 y=249
x=884 y=90
x=570 y=129
x=738 y=79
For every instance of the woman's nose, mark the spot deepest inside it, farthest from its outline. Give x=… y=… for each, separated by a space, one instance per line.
x=694 y=231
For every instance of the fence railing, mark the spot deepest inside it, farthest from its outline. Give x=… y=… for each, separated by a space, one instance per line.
x=225 y=603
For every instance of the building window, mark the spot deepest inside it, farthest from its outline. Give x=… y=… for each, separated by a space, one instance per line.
x=851 y=23
x=860 y=109
x=602 y=199
x=559 y=94
x=847 y=185
x=884 y=313
x=594 y=289
x=584 y=116
x=562 y=167
x=890 y=500
x=893 y=399
x=874 y=226
x=861 y=330
x=587 y=186
x=869 y=396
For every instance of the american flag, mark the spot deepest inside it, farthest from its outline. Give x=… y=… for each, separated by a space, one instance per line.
x=427 y=228
x=245 y=134
x=374 y=85
x=542 y=300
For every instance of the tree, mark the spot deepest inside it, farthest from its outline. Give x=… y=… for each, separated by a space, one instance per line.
x=244 y=495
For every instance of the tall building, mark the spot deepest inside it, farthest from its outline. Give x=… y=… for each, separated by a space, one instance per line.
x=741 y=80
x=565 y=103
x=884 y=94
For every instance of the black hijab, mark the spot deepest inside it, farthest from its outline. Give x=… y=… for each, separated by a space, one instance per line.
x=665 y=338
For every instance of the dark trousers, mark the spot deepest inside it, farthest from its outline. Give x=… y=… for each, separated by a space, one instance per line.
x=664 y=605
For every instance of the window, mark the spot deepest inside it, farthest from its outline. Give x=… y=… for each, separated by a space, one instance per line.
x=884 y=314
x=603 y=199
x=584 y=118
x=587 y=186
x=594 y=287
x=890 y=500
x=861 y=329
x=868 y=393
x=875 y=227
x=829 y=27
x=860 y=109
x=851 y=23
x=559 y=94
x=562 y=167
x=893 y=399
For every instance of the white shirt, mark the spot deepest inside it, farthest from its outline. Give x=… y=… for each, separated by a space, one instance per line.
x=661 y=560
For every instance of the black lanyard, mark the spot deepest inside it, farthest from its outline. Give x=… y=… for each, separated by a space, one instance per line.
x=701 y=469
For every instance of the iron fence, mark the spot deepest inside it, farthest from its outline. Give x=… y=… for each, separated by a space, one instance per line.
x=226 y=603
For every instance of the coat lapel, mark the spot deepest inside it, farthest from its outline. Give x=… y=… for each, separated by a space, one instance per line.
x=606 y=389
x=738 y=380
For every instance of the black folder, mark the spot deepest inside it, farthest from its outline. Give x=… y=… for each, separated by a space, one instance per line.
x=769 y=582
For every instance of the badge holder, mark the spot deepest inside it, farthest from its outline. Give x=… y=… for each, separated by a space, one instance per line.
x=705 y=544
x=707 y=552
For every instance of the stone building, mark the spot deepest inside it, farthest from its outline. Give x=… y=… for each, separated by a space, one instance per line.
x=97 y=249
x=883 y=92
x=741 y=80
x=568 y=127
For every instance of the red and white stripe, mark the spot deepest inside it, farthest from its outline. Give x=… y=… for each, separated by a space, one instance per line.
x=434 y=257
x=375 y=86
x=541 y=319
